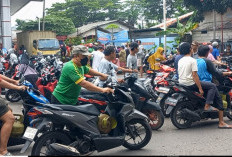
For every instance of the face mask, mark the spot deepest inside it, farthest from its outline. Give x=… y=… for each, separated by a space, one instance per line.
x=84 y=61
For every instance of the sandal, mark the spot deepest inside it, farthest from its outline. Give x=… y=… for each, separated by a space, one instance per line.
x=210 y=109
x=8 y=154
x=225 y=126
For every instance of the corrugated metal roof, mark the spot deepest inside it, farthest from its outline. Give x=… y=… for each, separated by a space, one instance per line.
x=173 y=20
x=90 y=26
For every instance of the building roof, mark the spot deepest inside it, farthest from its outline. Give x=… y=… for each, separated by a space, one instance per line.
x=16 y=5
x=173 y=20
x=86 y=28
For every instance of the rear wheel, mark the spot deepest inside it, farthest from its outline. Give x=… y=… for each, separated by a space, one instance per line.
x=138 y=134
x=41 y=144
x=178 y=118
x=12 y=96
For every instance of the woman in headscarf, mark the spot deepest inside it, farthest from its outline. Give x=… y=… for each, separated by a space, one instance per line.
x=152 y=59
x=27 y=70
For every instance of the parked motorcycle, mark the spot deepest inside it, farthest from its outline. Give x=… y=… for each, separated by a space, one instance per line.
x=85 y=129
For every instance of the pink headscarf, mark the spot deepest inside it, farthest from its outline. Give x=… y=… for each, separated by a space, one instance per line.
x=210 y=56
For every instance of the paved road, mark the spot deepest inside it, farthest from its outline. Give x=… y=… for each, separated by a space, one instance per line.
x=204 y=138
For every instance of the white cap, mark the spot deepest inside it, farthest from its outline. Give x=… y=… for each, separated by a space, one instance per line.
x=215 y=43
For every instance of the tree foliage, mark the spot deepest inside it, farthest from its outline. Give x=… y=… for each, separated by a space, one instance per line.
x=181 y=29
x=202 y=6
x=62 y=26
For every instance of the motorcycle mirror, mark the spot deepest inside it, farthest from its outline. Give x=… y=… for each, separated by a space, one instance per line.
x=21 y=80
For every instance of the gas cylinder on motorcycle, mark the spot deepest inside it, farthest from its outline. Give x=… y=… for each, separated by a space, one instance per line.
x=224 y=101
x=18 y=126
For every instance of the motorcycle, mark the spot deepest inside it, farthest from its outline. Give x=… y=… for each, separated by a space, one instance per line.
x=187 y=106
x=31 y=97
x=142 y=95
x=85 y=129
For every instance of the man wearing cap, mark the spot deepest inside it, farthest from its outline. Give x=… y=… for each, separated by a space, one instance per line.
x=194 y=47
x=72 y=78
x=216 y=52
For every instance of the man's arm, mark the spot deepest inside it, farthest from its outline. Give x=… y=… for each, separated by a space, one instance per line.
x=7 y=79
x=102 y=77
x=197 y=81
x=127 y=70
x=91 y=87
x=5 y=84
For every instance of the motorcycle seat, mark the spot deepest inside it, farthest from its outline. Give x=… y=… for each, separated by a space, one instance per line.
x=141 y=79
x=87 y=109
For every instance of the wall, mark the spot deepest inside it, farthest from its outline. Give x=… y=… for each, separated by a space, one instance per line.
x=227 y=34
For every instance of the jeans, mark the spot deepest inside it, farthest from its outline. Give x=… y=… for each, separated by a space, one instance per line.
x=213 y=97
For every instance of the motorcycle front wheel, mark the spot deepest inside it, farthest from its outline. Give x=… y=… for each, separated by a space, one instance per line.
x=138 y=134
x=156 y=118
x=12 y=95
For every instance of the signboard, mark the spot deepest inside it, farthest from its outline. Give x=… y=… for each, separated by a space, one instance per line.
x=121 y=36
x=103 y=37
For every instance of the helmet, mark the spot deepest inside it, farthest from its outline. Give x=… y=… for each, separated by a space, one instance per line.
x=215 y=44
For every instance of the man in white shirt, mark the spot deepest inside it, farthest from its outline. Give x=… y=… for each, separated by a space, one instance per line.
x=140 y=56
x=97 y=57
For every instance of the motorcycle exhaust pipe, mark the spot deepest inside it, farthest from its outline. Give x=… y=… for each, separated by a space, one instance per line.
x=191 y=115
x=56 y=149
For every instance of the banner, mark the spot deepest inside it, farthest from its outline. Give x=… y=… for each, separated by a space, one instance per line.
x=118 y=37
x=121 y=36
x=103 y=37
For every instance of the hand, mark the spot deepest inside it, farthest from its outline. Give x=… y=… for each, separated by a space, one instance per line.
x=103 y=77
x=107 y=90
x=121 y=80
x=135 y=71
x=201 y=92
x=22 y=88
x=16 y=82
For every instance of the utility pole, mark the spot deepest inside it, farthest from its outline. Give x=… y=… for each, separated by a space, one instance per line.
x=214 y=24
x=43 y=15
x=38 y=23
x=165 y=26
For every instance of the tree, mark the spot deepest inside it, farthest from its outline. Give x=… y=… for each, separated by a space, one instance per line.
x=85 y=11
x=153 y=10
x=62 y=26
x=181 y=29
x=202 y=6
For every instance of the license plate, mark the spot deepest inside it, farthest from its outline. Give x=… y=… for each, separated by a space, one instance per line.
x=30 y=133
x=171 y=101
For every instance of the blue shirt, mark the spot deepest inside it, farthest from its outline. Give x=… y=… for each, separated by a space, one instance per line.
x=202 y=72
x=215 y=53
x=177 y=58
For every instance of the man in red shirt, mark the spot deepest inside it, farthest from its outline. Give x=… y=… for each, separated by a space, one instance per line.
x=6 y=115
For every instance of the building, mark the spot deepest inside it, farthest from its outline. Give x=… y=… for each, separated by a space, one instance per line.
x=7 y=9
x=89 y=31
x=205 y=31
x=150 y=40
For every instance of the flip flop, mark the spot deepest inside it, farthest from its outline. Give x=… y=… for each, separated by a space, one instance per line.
x=8 y=154
x=226 y=126
x=210 y=109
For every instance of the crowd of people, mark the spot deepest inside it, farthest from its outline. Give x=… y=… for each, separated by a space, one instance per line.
x=194 y=64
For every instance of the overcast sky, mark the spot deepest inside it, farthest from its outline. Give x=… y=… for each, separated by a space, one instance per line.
x=32 y=10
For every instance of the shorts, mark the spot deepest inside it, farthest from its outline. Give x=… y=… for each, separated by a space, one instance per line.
x=139 y=62
x=3 y=107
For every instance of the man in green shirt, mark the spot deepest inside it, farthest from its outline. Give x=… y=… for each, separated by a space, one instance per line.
x=72 y=78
